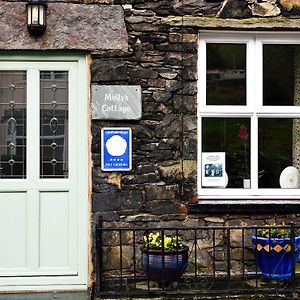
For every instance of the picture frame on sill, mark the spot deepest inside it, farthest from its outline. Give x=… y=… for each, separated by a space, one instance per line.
x=213 y=169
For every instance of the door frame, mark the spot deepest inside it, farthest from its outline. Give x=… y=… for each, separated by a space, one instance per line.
x=80 y=280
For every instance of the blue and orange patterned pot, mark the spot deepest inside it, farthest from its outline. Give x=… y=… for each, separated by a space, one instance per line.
x=274 y=256
x=174 y=265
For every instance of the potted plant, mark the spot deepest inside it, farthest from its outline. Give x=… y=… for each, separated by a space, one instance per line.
x=164 y=258
x=273 y=251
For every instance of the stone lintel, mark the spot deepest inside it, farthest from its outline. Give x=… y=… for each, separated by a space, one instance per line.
x=275 y=23
x=69 y=26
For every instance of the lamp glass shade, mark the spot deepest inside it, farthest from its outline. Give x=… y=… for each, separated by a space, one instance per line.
x=36 y=17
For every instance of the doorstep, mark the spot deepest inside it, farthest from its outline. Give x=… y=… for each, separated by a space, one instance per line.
x=47 y=296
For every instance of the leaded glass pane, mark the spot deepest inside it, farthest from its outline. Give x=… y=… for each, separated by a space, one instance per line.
x=54 y=124
x=13 y=124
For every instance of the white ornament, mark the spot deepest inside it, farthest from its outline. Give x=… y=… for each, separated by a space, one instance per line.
x=289 y=178
x=225 y=183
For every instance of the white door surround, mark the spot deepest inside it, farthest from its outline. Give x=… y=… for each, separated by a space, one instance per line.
x=44 y=180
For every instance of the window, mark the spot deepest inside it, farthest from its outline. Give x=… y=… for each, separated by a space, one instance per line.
x=249 y=112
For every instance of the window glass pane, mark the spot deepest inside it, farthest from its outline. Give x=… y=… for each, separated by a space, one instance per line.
x=232 y=136
x=281 y=75
x=279 y=147
x=226 y=74
x=54 y=124
x=13 y=124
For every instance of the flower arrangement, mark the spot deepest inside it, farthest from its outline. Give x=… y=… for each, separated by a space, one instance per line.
x=272 y=232
x=164 y=258
x=244 y=136
x=272 y=248
x=154 y=241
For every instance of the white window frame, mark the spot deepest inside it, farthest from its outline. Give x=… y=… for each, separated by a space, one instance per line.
x=253 y=109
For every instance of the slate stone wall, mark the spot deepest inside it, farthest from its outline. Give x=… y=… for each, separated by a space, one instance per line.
x=162 y=58
x=211 y=247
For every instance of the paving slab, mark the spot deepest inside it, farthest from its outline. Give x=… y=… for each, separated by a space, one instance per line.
x=47 y=296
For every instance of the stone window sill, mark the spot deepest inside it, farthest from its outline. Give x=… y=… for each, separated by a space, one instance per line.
x=244 y=206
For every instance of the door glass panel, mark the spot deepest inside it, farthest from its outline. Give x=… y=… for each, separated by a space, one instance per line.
x=13 y=124
x=232 y=136
x=226 y=74
x=54 y=124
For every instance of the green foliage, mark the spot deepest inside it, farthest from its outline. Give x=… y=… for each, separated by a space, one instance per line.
x=153 y=241
x=271 y=232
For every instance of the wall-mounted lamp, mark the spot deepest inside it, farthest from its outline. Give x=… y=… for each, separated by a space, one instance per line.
x=36 y=16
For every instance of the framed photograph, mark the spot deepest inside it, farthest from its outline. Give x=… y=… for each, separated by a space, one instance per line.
x=213 y=169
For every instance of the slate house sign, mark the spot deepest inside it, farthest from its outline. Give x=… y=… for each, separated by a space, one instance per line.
x=112 y=102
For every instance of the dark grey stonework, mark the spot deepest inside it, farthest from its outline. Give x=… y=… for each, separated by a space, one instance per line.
x=109 y=69
x=154 y=45
x=118 y=201
x=196 y=7
x=162 y=58
x=163 y=61
x=235 y=9
x=179 y=7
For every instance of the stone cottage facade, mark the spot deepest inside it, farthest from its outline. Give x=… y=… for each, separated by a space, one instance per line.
x=153 y=44
x=162 y=58
x=161 y=190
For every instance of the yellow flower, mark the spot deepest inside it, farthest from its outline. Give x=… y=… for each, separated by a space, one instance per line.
x=154 y=241
x=167 y=241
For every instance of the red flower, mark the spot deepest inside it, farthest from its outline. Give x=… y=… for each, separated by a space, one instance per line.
x=243 y=134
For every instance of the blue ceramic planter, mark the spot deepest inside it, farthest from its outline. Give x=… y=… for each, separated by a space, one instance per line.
x=175 y=263
x=274 y=256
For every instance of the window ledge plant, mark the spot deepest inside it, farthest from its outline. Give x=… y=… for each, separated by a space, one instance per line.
x=276 y=252
x=154 y=241
x=164 y=259
x=274 y=232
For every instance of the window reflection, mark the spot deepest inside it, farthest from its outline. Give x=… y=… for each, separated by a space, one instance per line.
x=281 y=75
x=279 y=147
x=232 y=136
x=226 y=74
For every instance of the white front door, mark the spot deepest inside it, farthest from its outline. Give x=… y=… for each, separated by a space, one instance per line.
x=43 y=173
